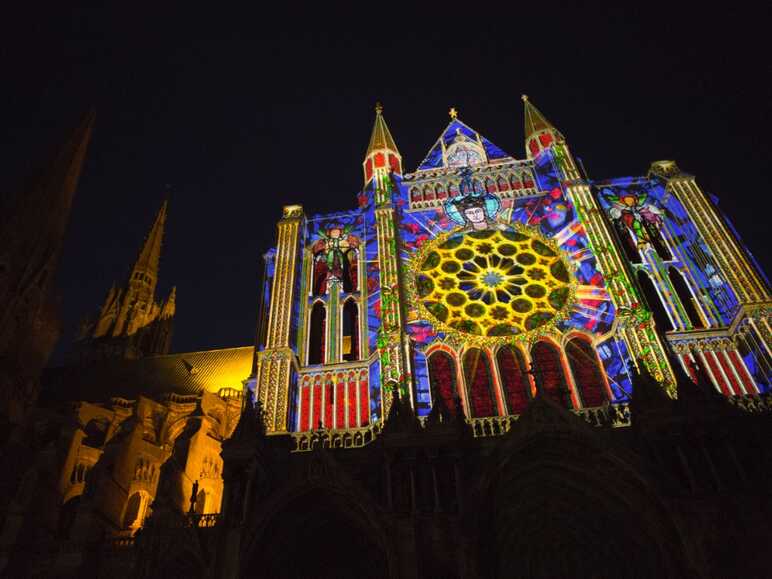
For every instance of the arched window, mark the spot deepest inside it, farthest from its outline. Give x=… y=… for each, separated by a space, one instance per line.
x=490 y=186
x=350 y=331
x=316 y=345
x=479 y=384
x=514 y=378
x=442 y=377
x=680 y=287
x=654 y=302
x=477 y=187
x=428 y=193
x=439 y=191
x=502 y=184
x=415 y=195
x=132 y=517
x=628 y=241
x=549 y=371
x=588 y=375
x=200 y=507
x=514 y=182
x=350 y=271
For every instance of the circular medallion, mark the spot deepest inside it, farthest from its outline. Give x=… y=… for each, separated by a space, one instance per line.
x=495 y=283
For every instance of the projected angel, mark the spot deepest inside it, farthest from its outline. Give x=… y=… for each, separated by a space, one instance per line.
x=335 y=259
x=632 y=213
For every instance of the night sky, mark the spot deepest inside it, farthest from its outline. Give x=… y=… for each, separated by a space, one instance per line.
x=238 y=113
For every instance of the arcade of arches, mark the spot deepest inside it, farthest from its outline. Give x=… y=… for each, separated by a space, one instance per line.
x=501 y=382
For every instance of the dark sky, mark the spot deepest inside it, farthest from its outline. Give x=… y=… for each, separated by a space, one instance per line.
x=241 y=112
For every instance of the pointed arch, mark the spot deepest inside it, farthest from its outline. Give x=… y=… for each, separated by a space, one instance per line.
x=416 y=195
x=490 y=186
x=546 y=361
x=442 y=379
x=650 y=294
x=316 y=333
x=502 y=184
x=587 y=371
x=351 y=271
x=682 y=291
x=350 y=328
x=514 y=182
x=514 y=378
x=439 y=191
x=428 y=193
x=479 y=383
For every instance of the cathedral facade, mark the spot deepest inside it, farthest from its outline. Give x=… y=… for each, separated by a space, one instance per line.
x=488 y=367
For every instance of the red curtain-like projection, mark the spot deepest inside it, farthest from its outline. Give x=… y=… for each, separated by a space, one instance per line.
x=316 y=334
x=479 y=384
x=546 y=363
x=514 y=378
x=588 y=374
x=442 y=377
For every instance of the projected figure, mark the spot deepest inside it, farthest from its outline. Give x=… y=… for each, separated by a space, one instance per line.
x=335 y=259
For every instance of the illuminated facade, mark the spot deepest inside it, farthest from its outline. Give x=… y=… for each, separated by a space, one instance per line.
x=489 y=367
x=470 y=280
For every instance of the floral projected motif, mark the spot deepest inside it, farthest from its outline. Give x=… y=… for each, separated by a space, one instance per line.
x=335 y=258
x=492 y=283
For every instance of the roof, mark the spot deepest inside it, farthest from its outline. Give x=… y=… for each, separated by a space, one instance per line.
x=186 y=373
x=535 y=121
x=455 y=128
x=381 y=136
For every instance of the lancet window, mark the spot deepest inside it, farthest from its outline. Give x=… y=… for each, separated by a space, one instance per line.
x=661 y=317
x=442 y=377
x=316 y=334
x=479 y=384
x=514 y=378
x=588 y=374
x=549 y=368
x=682 y=290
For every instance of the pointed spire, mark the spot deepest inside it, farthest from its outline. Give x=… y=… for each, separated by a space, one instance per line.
x=382 y=153
x=149 y=257
x=33 y=223
x=539 y=132
x=170 y=307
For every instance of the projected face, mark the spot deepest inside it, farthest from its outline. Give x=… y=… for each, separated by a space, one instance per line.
x=475 y=216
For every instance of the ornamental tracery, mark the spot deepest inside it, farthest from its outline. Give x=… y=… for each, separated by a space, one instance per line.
x=493 y=284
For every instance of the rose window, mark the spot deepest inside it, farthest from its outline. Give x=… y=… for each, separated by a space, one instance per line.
x=492 y=283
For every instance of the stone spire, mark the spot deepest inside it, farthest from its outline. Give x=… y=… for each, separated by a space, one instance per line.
x=150 y=255
x=382 y=153
x=539 y=132
x=32 y=227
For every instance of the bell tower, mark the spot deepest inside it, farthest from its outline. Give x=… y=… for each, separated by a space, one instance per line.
x=642 y=340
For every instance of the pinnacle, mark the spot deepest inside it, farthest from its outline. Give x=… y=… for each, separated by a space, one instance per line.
x=535 y=121
x=381 y=137
x=150 y=255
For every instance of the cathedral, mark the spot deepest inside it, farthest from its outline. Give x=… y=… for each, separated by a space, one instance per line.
x=484 y=367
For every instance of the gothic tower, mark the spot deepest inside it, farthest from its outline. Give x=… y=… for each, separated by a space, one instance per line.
x=130 y=323
x=544 y=143
x=32 y=229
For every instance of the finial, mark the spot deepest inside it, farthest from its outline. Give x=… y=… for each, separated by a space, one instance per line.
x=453 y=112
x=378 y=108
x=524 y=97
